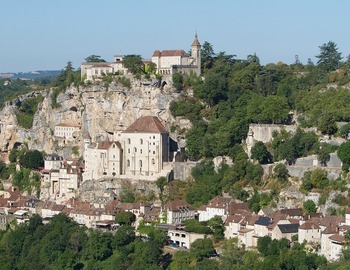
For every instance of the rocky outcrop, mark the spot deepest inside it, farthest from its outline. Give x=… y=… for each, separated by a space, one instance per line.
x=102 y=111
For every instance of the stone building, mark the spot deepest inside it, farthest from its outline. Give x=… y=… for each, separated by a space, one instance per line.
x=140 y=150
x=68 y=130
x=169 y=62
x=62 y=178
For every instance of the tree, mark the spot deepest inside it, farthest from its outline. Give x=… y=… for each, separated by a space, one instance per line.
x=329 y=57
x=124 y=236
x=309 y=207
x=125 y=218
x=263 y=245
x=323 y=156
x=202 y=248
x=217 y=226
x=207 y=56
x=281 y=172
x=133 y=63
x=94 y=58
x=161 y=183
x=260 y=153
x=327 y=125
x=32 y=159
x=344 y=131
x=178 y=80
x=344 y=152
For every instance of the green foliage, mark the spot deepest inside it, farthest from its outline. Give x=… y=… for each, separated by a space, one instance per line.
x=27 y=110
x=329 y=57
x=94 y=58
x=290 y=147
x=193 y=225
x=344 y=152
x=5 y=171
x=63 y=244
x=309 y=207
x=127 y=196
x=13 y=89
x=124 y=81
x=202 y=248
x=260 y=153
x=75 y=150
x=216 y=224
x=32 y=159
x=344 y=131
x=66 y=78
x=124 y=236
x=133 y=63
x=206 y=185
x=189 y=108
x=315 y=179
x=280 y=172
x=125 y=218
x=178 y=81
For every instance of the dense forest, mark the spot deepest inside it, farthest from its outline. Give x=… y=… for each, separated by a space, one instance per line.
x=63 y=244
x=237 y=92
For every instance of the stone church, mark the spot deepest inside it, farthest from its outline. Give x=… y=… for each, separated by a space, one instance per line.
x=140 y=151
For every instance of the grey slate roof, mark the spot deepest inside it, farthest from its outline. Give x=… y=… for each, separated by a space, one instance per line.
x=288 y=228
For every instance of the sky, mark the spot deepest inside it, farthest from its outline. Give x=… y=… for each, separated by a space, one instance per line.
x=46 y=34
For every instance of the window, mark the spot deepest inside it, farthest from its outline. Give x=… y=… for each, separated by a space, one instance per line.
x=154 y=137
x=140 y=151
x=128 y=163
x=129 y=141
x=135 y=149
x=153 y=161
x=141 y=141
x=129 y=150
x=140 y=163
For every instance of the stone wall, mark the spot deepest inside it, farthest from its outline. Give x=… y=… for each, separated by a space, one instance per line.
x=263 y=132
x=182 y=170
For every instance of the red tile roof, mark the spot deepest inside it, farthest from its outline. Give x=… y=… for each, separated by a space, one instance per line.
x=338 y=238
x=107 y=145
x=167 y=53
x=177 y=205
x=309 y=226
x=146 y=124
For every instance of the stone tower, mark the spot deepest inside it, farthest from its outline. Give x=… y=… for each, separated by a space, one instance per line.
x=196 y=54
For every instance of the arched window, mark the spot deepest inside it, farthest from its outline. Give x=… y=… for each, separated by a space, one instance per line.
x=129 y=141
x=128 y=163
x=140 y=163
x=135 y=149
x=153 y=161
x=140 y=151
x=141 y=141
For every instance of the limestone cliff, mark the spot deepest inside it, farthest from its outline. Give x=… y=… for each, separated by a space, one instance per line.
x=99 y=110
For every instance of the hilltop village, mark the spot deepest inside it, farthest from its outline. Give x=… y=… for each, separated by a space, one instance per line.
x=162 y=147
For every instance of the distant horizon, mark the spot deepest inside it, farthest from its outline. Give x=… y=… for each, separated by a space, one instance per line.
x=45 y=35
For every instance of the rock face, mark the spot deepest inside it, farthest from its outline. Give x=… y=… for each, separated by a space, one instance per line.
x=99 y=110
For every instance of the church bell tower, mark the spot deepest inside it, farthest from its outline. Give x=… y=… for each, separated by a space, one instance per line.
x=196 y=53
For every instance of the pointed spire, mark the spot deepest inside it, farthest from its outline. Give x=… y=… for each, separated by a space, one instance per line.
x=196 y=41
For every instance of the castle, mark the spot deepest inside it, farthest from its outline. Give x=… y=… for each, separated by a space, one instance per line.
x=167 y=62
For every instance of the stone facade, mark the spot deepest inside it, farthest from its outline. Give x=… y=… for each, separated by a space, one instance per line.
x=140 y=150
x=169 y=62
x=69 y=131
